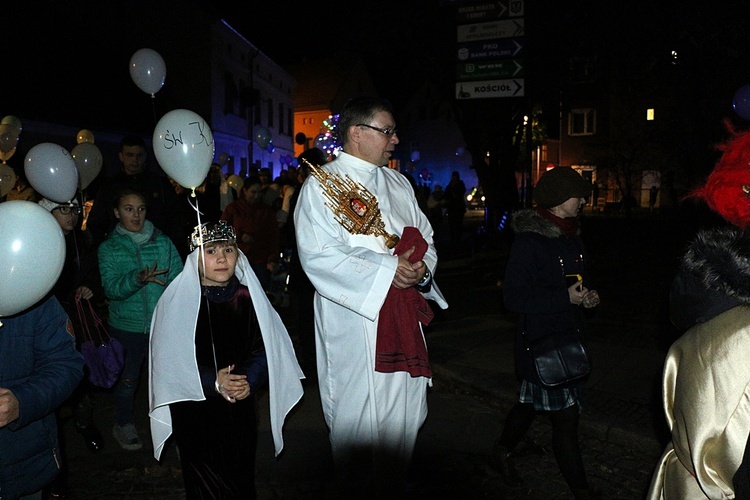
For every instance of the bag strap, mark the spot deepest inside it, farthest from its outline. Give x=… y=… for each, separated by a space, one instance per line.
x=82 y=320
x=98 y=324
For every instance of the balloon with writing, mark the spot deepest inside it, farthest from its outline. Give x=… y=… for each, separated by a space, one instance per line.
x=88 y=160
x=51 y=171
x=33 y=249
x=184 y=147
x=148 y=70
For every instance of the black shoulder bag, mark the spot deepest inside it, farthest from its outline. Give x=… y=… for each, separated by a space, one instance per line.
x=559 y=358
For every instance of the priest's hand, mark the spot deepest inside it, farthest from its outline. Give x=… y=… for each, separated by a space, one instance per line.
x=408 y=274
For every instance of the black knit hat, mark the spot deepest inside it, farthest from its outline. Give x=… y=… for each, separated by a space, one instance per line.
x=558 y=185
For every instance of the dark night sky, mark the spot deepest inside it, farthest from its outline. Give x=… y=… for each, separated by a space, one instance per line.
x=60 y=57
x=401 y=41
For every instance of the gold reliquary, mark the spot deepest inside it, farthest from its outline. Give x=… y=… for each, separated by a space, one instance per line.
x=353 y=206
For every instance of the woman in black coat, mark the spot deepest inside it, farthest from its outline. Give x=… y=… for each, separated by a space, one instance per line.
x=545 y=284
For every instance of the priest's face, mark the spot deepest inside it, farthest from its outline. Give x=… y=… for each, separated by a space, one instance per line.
x=375 y=141
x=216 y=265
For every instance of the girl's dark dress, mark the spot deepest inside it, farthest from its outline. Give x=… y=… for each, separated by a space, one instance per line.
x=217 y=439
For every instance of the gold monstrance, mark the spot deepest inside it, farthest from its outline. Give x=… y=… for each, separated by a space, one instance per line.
x=353 y=206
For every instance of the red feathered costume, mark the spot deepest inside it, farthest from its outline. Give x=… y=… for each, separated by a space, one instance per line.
x=727 y=189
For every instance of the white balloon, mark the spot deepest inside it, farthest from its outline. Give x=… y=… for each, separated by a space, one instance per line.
x=51 y=171
x=7 y=179
x=32 y=254
x=148 y=70
x=88 y=160
x=184 y=147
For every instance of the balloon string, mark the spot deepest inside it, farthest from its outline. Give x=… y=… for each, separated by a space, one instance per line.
x=193 y=201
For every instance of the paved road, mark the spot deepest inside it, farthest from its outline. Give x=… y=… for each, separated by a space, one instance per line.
x=451 y=459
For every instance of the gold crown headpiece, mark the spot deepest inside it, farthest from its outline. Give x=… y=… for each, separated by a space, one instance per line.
x=209 y=232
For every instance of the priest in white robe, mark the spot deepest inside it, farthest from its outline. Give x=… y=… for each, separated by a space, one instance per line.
x=349 y=215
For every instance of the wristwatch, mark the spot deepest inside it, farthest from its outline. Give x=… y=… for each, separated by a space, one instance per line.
x=425 y=279
x=425 y=283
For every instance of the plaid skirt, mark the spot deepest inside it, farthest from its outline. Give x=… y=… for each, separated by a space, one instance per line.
x=549 y=399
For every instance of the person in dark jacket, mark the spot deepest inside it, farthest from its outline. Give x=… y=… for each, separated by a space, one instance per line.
x=455 y=203
x=545 y=284
x=39 y=369
x=78 y=281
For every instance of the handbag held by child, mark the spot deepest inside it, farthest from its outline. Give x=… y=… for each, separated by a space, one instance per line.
x=103 y=355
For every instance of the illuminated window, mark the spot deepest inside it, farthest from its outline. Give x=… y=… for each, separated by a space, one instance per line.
x=650 y=114
x=582 y=121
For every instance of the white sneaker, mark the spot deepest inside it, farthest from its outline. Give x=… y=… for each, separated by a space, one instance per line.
x=127 y=436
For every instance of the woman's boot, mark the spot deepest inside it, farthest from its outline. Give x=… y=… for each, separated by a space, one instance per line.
x=504 y=465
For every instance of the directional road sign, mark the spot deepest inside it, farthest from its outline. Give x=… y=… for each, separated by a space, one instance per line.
x=490 y=88
x=472 y=71
x=505 y=28
x=502 y=48
x=489 y=11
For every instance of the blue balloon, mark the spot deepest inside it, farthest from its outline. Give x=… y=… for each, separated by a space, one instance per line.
x=741 y=102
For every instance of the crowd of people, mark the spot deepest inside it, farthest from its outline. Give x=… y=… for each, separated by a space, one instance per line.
x=184 y=281
x=146 y=250
x=120 y=257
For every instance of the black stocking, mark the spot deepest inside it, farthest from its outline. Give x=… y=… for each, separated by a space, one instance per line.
x=566 y=446
x=517 y=423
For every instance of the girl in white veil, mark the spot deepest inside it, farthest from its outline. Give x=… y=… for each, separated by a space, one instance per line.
x=215 y=341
